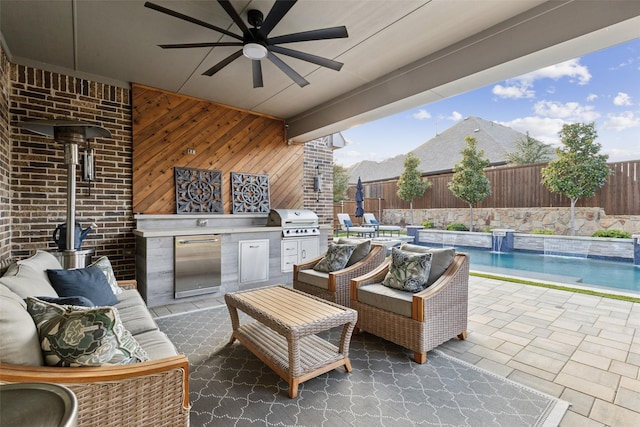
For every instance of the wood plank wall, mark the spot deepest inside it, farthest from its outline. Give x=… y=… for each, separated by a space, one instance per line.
x=166 y=125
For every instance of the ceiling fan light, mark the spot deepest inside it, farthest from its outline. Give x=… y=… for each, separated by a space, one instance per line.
x=254 y=51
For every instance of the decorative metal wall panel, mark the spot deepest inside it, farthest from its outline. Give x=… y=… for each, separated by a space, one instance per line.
x=198 y=191
x=250 y=193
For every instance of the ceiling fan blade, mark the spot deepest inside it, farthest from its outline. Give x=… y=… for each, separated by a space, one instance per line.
x=325 y=62
x=287 y=70
x=190 y=45
x=305 y=36
x=226 y=5
x=275 y=15
x=257 y=73
x=190 y=19
x=220 y=65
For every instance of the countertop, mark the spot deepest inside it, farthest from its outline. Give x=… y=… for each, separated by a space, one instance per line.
x=192 y=231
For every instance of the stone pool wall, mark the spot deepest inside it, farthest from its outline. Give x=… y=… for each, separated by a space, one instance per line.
x=521 y=220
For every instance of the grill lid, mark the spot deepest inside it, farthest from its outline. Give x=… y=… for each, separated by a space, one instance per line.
x=294 y=222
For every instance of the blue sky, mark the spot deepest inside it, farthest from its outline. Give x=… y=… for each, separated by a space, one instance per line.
x=603 y=87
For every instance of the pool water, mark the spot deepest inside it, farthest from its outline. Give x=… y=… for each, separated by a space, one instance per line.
x=619 y=276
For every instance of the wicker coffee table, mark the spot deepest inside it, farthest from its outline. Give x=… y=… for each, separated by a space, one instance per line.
x=284 y=335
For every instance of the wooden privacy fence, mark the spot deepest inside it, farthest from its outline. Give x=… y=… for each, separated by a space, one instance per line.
x=511 y=187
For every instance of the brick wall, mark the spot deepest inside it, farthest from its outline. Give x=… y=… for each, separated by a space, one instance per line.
x=5 y=158
x=39 y=174
x=318 y=158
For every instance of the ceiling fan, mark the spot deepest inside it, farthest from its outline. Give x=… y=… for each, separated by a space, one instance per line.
x=256 y=43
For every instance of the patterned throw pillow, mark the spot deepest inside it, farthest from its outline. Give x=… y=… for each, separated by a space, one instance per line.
x=335 y=259
x=409 y=271
x=104 y=264
x=77 y=336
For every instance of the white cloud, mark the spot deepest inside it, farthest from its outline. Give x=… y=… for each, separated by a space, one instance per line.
x=422 y=114
x=592 y=97
x=572 y=69
x=622 y=99
x=571 y=111
x=455 y=116
x=513 y=92
x=620 y=122
x=544 y=129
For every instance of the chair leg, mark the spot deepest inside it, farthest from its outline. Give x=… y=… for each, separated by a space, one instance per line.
x=463 y=335
x=356 y=331
x=420 y=357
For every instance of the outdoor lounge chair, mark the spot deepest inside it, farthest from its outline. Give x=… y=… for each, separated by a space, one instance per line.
x=347 y=225
x=334 y=286
x=418 y=321
x=370 y=219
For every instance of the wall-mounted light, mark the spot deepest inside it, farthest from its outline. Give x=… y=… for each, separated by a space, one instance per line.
x=317 y=183
x=88 y=166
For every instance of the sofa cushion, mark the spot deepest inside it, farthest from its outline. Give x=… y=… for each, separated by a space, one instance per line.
x=88 y=282
x=74 y=336
x=386 y=298
x=24 y=281
x=409 y=271
x=315 y=278
x=335 y=259
x=441 y=260
x=134 y=314
x=19 y=342
x=363 y=247
x=40 y=262
x=156 y=344
x=104 y=265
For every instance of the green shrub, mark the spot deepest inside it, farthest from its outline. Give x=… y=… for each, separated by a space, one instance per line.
x=428 y=224
x=457 y=226
x=543 y=231
x=614 y=234
x=487 y=230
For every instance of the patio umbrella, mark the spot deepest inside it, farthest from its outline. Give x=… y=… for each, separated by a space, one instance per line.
x=359 y=199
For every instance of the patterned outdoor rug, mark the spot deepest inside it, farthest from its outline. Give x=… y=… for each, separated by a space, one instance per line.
x=229 y=386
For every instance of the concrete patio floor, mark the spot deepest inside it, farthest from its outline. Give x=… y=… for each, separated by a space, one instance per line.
x=580 y=348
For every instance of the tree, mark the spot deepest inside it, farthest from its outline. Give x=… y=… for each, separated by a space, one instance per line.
x=579 y=170
x=411 y=185
x=469 y=181
x=529 y=151
x=340 y=183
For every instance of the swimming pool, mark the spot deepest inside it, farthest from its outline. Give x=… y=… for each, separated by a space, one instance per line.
x=618 y=276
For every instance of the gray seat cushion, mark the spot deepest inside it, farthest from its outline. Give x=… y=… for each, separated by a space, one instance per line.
x=440 y=261
x=156 y=344
x=363 y=247
x=385 y=298
x=315 y=278
x=134 y=314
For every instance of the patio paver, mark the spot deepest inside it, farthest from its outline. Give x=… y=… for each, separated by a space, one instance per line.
x=581 y=348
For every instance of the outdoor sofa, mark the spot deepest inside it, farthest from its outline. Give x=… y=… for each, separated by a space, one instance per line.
x=422 y=320
x=149 y=393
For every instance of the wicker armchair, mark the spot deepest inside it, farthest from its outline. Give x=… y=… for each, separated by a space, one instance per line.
x=430 y=317
x=334 y=286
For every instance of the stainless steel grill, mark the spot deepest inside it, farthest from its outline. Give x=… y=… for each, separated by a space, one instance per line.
x=294 y=222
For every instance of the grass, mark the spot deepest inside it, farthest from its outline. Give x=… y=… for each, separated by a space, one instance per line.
x=558 y=287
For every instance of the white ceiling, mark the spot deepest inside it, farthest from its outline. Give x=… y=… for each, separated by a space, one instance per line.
x=399 y=54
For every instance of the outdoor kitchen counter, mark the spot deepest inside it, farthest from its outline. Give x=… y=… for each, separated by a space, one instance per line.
x=155 y=262
x=170 y=232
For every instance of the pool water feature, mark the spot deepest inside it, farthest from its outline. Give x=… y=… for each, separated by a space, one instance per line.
x=611 y=275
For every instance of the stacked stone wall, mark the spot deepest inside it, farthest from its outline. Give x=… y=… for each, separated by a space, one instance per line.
x=522 y=220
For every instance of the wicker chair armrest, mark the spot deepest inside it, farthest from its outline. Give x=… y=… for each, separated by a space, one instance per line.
x=121 y=384
x=374 y=258
x=307 y=265
x=456 y=275
x=128 y=284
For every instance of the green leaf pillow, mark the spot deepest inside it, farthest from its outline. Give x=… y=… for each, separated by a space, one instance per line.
x=335 y=259
x=78 y=336
x=409 y=271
